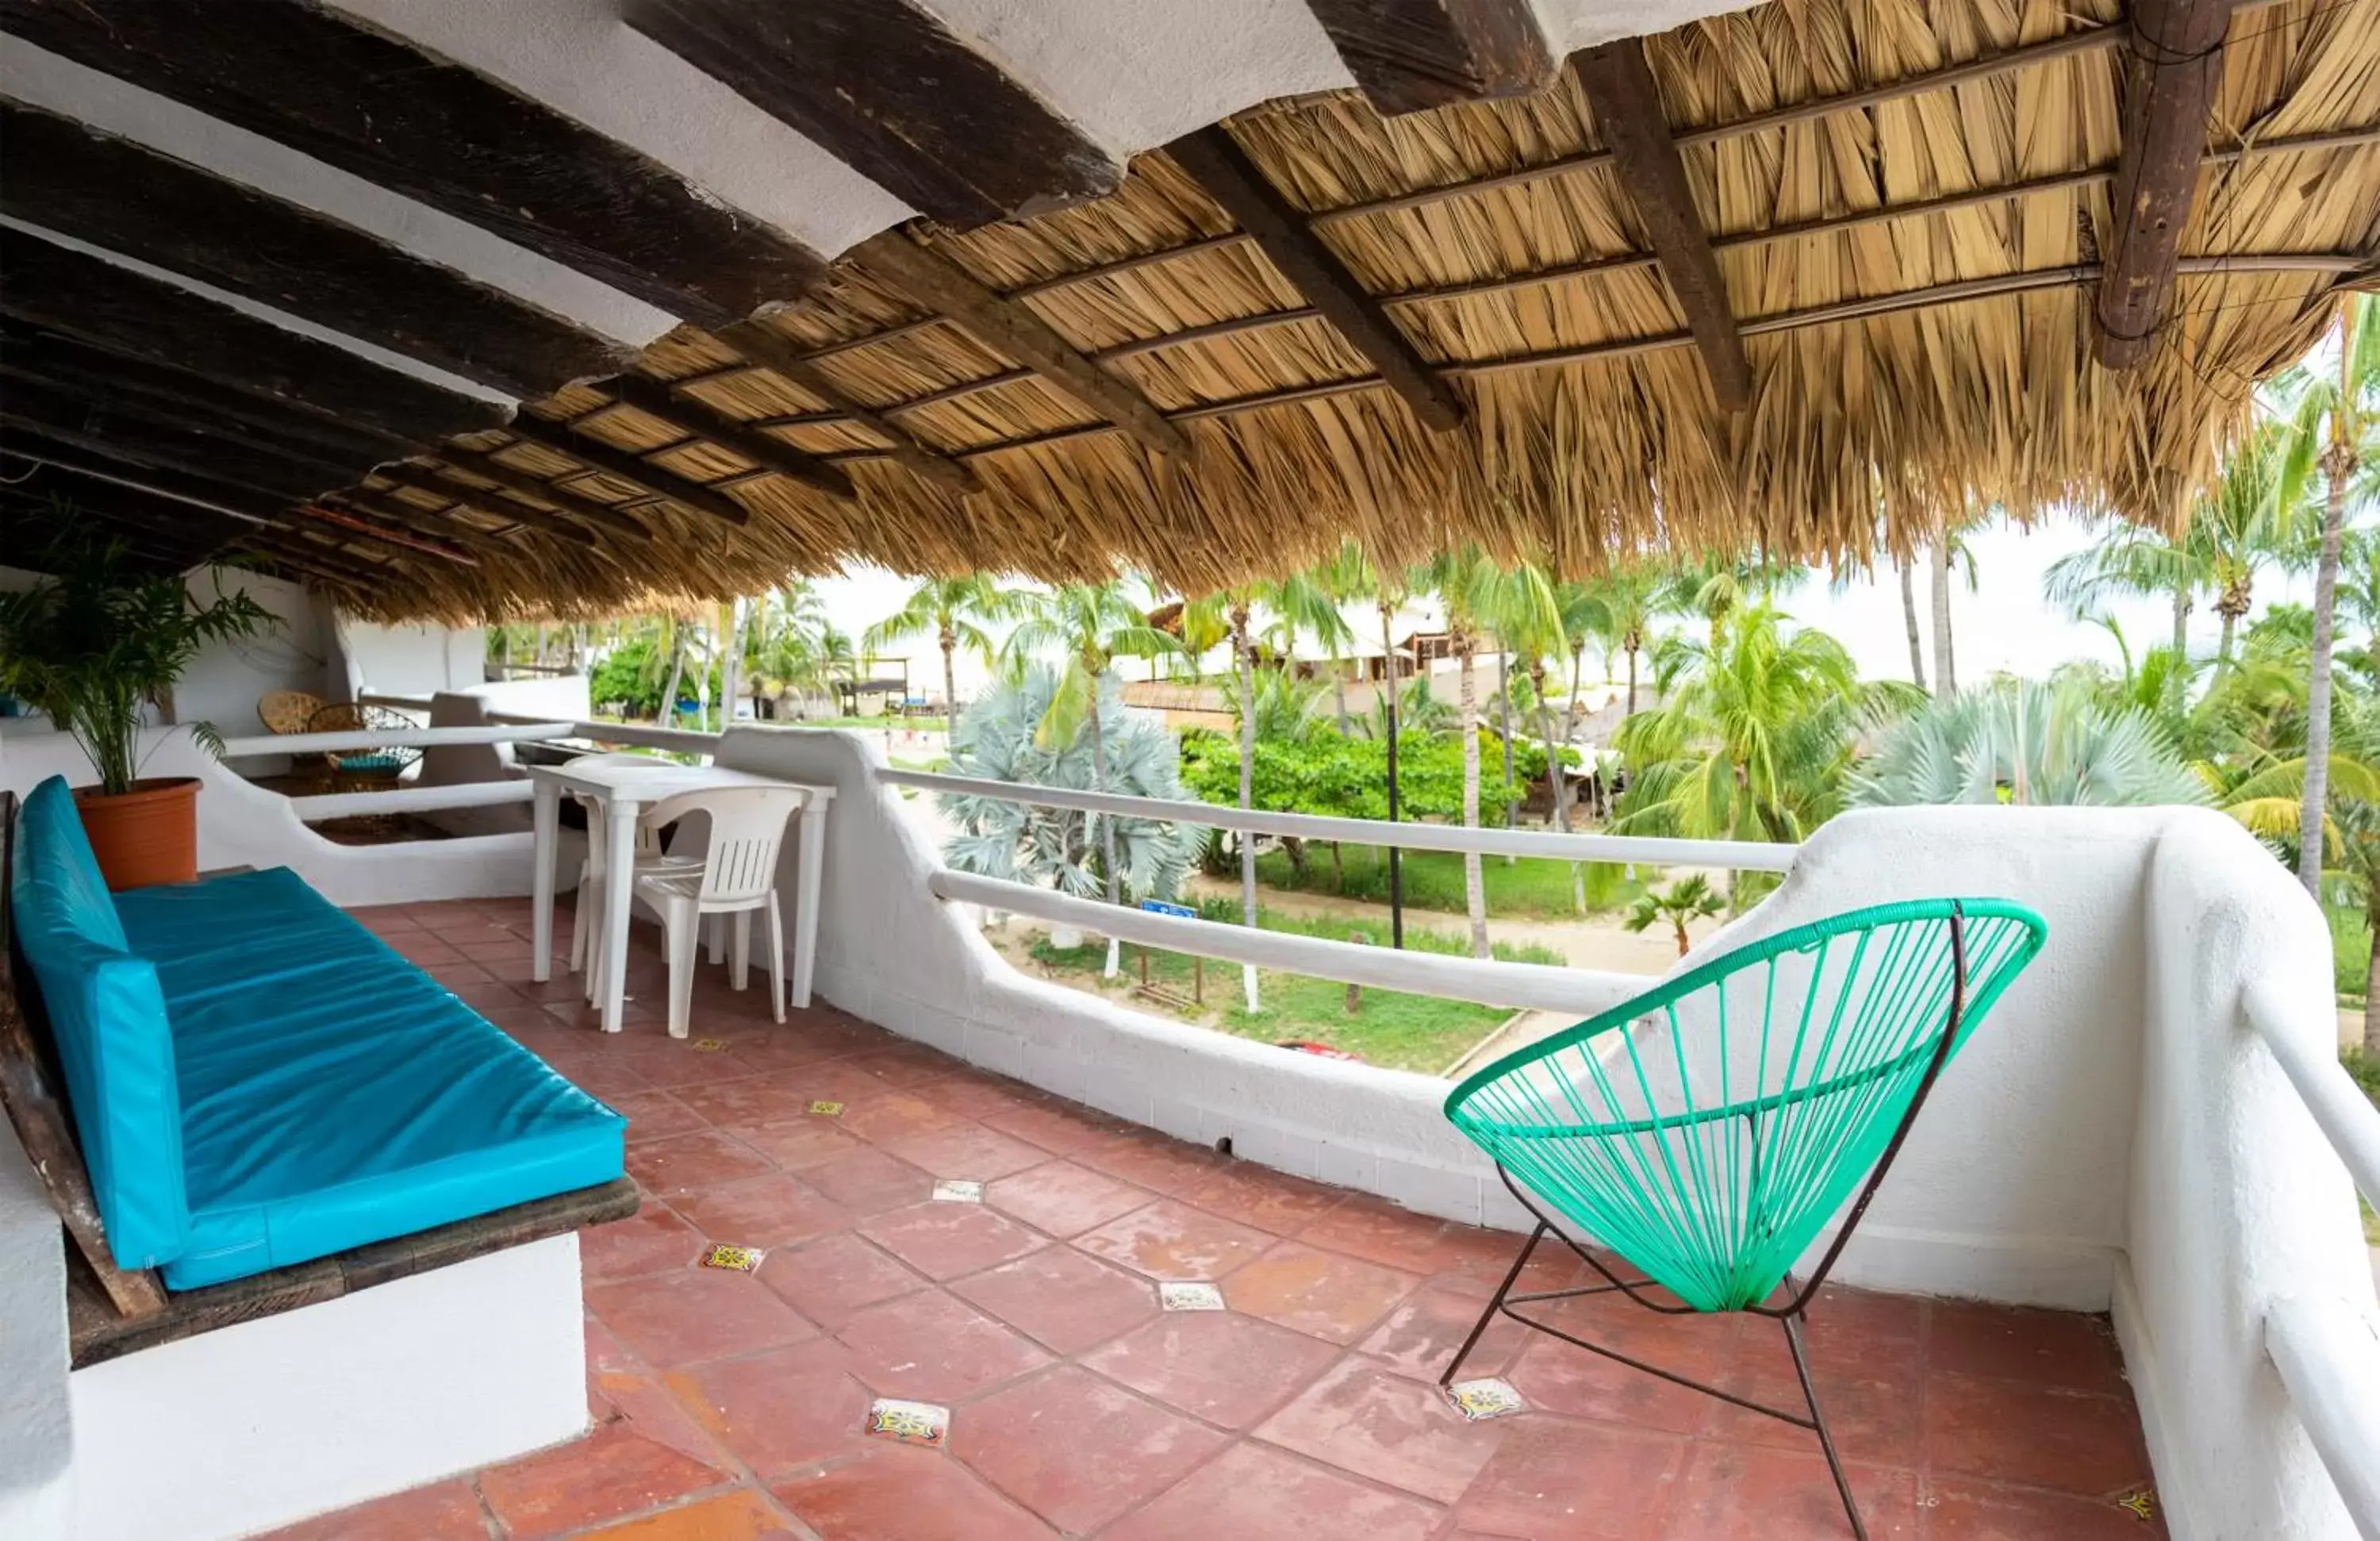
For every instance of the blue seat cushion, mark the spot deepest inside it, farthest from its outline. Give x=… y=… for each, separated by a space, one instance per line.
x=333 y=1094
x=109 y=1022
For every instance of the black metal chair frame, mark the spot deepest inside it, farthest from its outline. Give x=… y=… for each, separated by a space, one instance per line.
x=1789 y=1315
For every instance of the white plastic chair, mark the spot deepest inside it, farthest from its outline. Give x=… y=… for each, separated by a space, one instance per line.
x=738 y=876
x=587 y=923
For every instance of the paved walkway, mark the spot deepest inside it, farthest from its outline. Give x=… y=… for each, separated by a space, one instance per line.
x=730 y=1407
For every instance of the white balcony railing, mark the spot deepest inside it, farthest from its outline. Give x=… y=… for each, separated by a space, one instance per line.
x=2328 y=1354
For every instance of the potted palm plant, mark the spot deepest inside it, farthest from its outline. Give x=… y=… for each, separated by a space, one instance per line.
x=91 y=647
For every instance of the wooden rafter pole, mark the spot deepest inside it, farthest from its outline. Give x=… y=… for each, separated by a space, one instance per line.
x=437 y=524
x=765 y=347
x=623 y=466
x=938 y=284
x=545 y=521
x=1628 y=109
x=365 y=529
x=527 y=484
x=700 y=420
x=2172 y=65
x=1214 y=160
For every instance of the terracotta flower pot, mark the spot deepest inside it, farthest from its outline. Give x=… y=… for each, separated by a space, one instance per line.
x=145 y=836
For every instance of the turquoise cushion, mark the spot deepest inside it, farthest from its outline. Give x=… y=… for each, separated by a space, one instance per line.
x=109 y=1021
x=334 y=1094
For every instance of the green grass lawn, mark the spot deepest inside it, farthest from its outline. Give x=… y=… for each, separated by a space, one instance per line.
x=1406 y=1032
x=2351 y=952
x=1527 y=886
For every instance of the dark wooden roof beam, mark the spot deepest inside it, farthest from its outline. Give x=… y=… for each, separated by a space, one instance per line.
x=886 y=88
x=113 y=308
x=623 y=465
x=1216 y=163
x=1410 y=56
x=374 y=104
x=2170 y=71
x=1627 y=105
x=120 y=432
x=1009 y=326
x=63 y=176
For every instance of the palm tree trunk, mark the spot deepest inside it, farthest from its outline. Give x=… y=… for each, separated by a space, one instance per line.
x=2182 y=623
x=1634 y=643
x=1339 y=695
x=2325 y=626
x=1504 y=727
x=1909 y=618
x=1107 y=824
x=1578 y=696
x=1475 y=881
x=1245 y=653
x=669 y=690
x=950 y=691
x=2223 y=643
x=1554 y=778
x=1946 y=673
x=1562 y=794
x=731 y=667
x=1396 y=855
x=2372 y=974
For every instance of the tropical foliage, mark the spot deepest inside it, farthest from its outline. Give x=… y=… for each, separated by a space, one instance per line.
x=1003 y=739
x=105 y=637
x=1755 y=735
x=2026 y=744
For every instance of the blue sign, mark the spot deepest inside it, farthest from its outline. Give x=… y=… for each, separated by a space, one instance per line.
x=1159 y=906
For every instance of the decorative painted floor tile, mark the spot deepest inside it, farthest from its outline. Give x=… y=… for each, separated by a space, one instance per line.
x=827 y=1110
x=1484 y=1398
x=951 y=1191
x=1190 y=1297
x=735 y=1259
x=912 y=1423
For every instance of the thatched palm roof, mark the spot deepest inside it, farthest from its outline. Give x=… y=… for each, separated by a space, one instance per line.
x=1909 y=201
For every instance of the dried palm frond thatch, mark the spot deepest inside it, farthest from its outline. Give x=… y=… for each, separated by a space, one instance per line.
x=1912 y=272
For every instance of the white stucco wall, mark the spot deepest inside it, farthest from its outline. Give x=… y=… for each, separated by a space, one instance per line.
x=2236 y=1201
x=247 y=1428
x=36 y=1429
x=409 y=660
x=241 y=824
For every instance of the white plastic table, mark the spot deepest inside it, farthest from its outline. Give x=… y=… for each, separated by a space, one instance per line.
x=625 y=790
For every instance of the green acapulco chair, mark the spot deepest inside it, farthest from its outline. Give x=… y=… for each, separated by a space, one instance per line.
x=1707 y=1129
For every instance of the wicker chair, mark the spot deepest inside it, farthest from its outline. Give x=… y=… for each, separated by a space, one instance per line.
x=373 y=770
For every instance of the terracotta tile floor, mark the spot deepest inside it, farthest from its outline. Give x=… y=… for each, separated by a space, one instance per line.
x=729 y=1407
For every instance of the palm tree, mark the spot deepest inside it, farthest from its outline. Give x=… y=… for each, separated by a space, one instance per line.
x=2238 y=528
x=1753 y=737
x=789 y=646
x=1628 y=602
x=1690 y=898
x=954 y=611
x=1091 y=625
x=1478 y=597
x=1296 y=603
x=2334 y=421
